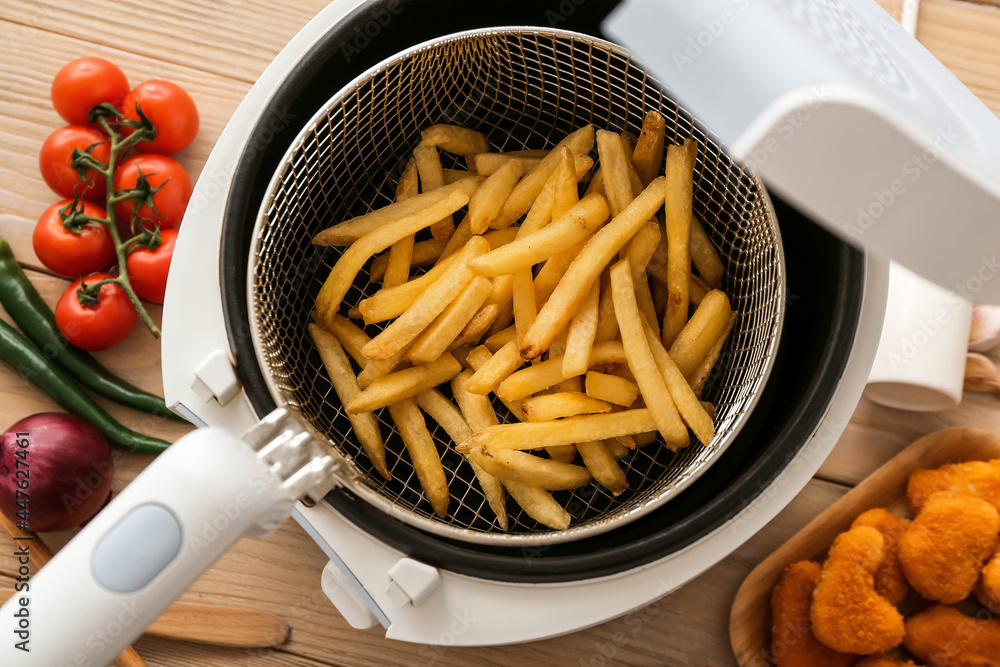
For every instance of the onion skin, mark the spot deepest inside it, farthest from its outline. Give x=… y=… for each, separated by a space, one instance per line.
x=69 y=469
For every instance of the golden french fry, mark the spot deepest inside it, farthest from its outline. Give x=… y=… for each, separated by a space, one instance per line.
x=354 y=258
x=436 y=338
x=611 y=388
x=581 y=334
x=543 y=375
x=478 y=356
x=706 y=259
x=431 y=178
x=699 y=376
x=391 y=302
x=486 y=203
x=523 y=299
x=644 y=299
x=348 y=335
x=643 y=439
x=510 y=464
x=455 y=139
x=614 y=166
x=547 y=407
x=698 y=335
x=596 y=185
x=424 y=253
x=641 y=248
x=690 y=409
x=647 y=158
x=615 y=448
x=534 y=435
x=539 y=505
x=641 y=361
x=498 y=340
x=349 y=231
x=564 y=183
x=579 y=141
x=453 y=175
x=493 y=372
x=403 y=384
x=488 y=163
x=376 y=368
x=680 y=192
x=405 y=328
x=479 y=414
x=607 y=324
x=504 y=318
x=587 y=267
x=562 y=453
x=602 y=465
x=626 y=441
x=697 y=289
x=458 y=238
x=474 y=330
x=401 y=253
x=423 y=454
x=560 y=234
x=553 y=270
x=346 y=385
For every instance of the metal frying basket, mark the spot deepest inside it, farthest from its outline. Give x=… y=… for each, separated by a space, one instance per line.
x=523 y=88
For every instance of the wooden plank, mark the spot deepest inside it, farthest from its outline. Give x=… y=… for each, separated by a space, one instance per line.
x=26 y=109
x=964 y=37
x=234 y=38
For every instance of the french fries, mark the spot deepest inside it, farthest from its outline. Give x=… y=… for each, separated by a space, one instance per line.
x=567 y=290
x=547 y=407
x=346 y=385
x=680 y=170
x=641 y=361
x=423 y=453
x=587 y=267
x=512 y=465
x=611 y=388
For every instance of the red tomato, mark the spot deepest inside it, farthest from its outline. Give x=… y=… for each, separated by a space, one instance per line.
x=68 y=253
x=85 y=83
x=147 y=269
x=100 y=326
x=170 y=109
x=169 y=202
x=57 y=152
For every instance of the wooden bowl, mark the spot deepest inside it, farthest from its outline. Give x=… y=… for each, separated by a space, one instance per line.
x=750 y=618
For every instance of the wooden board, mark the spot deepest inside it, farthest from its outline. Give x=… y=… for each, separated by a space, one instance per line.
x=749 y=624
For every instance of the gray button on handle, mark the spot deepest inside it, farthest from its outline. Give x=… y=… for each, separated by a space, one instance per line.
x=137 y=548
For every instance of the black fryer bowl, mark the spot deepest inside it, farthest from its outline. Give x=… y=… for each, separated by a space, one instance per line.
x=816 y=342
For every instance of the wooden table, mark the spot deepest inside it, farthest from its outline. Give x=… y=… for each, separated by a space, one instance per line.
x=216 y=49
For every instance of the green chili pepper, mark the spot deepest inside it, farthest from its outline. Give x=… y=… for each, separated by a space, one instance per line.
x=32 y=315
x=32 y=365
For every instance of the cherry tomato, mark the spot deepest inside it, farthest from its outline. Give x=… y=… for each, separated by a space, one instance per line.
x=147 y=269
x=170 y=109
x=85 y=83
x=57 y=152
x=169 y=202
x=100 y=326
x=68 y=253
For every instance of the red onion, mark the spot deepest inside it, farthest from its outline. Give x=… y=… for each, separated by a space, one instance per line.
x=64 y=466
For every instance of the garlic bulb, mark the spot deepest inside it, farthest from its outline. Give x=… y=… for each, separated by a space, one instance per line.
x=985 y=332
x=981 y=374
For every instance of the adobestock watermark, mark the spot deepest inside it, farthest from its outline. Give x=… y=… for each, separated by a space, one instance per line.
x=711 y=29
x=379 y=20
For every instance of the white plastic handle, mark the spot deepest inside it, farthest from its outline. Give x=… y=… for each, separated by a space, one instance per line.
x=169 y=525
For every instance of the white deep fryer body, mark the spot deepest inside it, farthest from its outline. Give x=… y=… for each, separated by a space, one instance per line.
x=370 y=582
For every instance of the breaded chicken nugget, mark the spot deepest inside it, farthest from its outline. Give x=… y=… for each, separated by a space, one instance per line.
x=847 y=614
x=988 y=589
x=885 y=661
x=889 y=580
x=943 y=636
x=792 y=640
x=944 y=551
x=975 y=478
